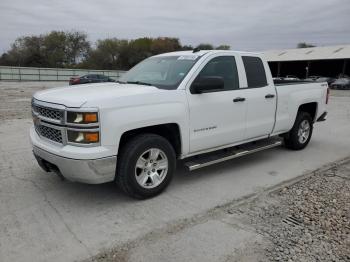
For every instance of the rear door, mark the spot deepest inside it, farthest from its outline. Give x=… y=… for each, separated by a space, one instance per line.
x=217 y=118
x=261 y=98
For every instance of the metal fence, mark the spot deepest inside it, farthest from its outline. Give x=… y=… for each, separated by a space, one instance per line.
x=9 y=73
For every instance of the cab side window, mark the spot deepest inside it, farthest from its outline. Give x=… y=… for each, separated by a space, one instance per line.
x=224 y=67
x=254 y=69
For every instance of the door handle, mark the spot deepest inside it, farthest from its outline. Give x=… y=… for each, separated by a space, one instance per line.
x=270 y=96
x=238 y=99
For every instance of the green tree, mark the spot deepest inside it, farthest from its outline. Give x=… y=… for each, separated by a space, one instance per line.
x=114 y=53
x=205 y=47
x=55 y=49
x=187 y=47
x=107 y=54
x=223 y=47
x=26 y=51
x=304 y=45
x=165 y=44
x=4 y=59
x=78 y=47
x=72 y=49
x=63 y=49
x=139 y=49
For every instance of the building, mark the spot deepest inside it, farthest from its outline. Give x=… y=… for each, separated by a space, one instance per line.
x=315 y=61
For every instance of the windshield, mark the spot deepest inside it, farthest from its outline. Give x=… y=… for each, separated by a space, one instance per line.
x=164 y=72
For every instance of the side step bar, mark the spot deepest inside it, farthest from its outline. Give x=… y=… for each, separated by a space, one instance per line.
x=231 y=153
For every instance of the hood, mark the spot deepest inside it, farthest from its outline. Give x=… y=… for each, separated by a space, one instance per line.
x=77 y=96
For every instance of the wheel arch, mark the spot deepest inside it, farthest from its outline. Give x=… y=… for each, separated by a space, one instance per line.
x=170 y=131
x=310 y=108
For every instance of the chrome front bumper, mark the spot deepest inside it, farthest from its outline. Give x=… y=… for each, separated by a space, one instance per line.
x=90 y=171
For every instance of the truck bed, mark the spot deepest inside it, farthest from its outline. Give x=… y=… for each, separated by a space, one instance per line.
x=290 y=82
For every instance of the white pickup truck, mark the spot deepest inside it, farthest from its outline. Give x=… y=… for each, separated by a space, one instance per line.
x=202 y=106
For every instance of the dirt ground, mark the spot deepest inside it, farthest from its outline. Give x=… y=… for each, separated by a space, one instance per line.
x=15 y=97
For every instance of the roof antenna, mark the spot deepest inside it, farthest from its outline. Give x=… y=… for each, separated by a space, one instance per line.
x=196 y=50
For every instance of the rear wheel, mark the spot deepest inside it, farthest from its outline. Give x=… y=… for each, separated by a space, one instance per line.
x=145 y=166
x=299 y=136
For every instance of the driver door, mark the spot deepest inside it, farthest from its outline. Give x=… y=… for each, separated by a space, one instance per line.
x=217 y=118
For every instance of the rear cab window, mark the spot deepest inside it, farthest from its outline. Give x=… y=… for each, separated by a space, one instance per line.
x=255 y=71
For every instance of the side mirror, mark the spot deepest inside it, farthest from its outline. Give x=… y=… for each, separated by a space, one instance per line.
x=207 y=84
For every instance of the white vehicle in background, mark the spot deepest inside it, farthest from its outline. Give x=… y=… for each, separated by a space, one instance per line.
x=171 y=106
x=291 y=78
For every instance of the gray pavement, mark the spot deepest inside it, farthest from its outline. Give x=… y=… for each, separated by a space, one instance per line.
x=45 y=219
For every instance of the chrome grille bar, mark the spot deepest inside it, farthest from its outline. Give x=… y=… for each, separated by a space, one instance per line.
x=48 y=112
x=49 y=133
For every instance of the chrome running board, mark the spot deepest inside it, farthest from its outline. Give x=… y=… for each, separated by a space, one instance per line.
x=231 y=153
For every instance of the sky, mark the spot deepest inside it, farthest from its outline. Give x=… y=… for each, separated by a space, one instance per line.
x=251 y=25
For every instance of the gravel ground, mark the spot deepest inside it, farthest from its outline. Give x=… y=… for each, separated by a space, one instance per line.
x=306 y=221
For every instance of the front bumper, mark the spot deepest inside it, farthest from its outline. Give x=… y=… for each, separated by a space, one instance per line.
x=92 y=165
x=90 y=171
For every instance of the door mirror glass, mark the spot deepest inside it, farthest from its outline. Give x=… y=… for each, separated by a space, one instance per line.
x=207 y=84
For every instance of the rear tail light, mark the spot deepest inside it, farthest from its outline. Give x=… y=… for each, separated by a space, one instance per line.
x=327 y=96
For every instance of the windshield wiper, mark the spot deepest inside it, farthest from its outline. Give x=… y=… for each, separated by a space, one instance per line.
x=120 y=82
x=139 y=83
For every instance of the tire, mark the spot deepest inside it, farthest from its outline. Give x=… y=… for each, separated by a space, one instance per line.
x=145 y=166
x=300 y=134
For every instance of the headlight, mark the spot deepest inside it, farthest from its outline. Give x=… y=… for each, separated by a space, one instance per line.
x=83 y=137
x=82 y=117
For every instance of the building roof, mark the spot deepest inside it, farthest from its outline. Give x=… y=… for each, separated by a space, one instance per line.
x=312 y=53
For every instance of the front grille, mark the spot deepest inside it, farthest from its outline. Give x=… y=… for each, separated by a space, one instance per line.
x=47 y=112
x=50 y=133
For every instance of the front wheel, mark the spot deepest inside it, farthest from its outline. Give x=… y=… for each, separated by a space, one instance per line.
x=299 y=136
x=145 y=166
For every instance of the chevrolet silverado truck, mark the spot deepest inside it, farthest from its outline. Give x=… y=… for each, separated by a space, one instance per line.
x=202 y=106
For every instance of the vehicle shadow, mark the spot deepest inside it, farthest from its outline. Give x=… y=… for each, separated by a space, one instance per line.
x=108 y=194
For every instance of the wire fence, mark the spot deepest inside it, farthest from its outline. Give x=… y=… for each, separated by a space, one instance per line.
x=9 y=73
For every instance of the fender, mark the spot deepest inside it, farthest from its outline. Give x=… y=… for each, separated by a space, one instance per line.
x=143 y=116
